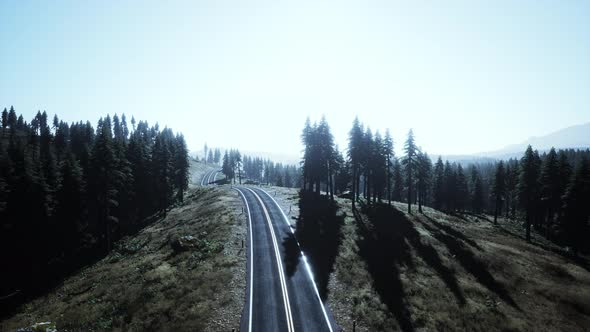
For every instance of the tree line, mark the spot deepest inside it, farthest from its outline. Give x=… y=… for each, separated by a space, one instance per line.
x=547 y=191
x=211 y=156
x=68 y=191
x=256 y=170
x=261 y=170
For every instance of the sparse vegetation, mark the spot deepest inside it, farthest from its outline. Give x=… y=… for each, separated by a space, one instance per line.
x=434 y=271
x=144 y=284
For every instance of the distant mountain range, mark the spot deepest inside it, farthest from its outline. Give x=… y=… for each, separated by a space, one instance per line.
x=574 y=137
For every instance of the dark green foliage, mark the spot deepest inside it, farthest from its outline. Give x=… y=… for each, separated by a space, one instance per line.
x=461 y=189
x=499 y=189
x=477 y=191
x=439 y=184
x=66 y=192
x=551 y=188
x=4 y=118
x=388 y=153
x=355 y=155
x=398 y=181
x=576 y=208
x=410 y=165
x=233 y=165
x=319 y=162
x=424 y=179
x=528 y=186
x=181 y=167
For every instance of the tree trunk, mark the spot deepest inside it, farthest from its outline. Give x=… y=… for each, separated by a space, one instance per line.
x=548 y=223
x=420 y=197
x=388 y=180
x=528 y=227
x=353 y=186
x=496 y=212
x=409 y=188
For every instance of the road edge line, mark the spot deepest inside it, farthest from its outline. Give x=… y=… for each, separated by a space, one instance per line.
x=309 y=272
x=251 y=260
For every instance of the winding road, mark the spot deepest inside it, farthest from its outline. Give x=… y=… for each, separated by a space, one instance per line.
x=209 y=177
x=275 y=299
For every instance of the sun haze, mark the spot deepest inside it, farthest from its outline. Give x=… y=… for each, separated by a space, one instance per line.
x=467 y=76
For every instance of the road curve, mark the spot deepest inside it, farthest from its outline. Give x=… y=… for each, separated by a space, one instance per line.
x=209 y=177
x=275 y=299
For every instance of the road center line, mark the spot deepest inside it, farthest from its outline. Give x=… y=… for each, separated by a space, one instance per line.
x=279 y=264
x=251 y=260
x=309 y=272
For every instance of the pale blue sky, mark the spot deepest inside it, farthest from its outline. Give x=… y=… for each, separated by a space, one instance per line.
x=468 y=76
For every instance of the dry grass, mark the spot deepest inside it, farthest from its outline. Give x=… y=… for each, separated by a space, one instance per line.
x=144 y=285
x=461 y=275
x=436 y=272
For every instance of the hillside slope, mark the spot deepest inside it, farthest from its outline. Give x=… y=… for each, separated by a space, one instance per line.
x=390 y=271
x=159 y=279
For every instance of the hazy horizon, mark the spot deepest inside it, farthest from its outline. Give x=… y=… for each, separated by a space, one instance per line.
x=466 y=77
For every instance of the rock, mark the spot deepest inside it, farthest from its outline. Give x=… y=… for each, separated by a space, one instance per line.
x=40 y=327
x=184 y=243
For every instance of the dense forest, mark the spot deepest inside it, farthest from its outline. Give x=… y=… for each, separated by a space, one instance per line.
x=548 y=192
x=256 y=170
x=68 y=191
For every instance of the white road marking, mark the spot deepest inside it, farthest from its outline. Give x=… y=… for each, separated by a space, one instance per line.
x=251 y=260
x=309 y=272
x=279 y=264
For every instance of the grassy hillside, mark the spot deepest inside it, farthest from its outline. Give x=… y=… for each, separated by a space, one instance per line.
x=159 y=279
x=394 y=271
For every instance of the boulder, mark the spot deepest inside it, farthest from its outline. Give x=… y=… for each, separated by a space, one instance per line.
x=184 y=243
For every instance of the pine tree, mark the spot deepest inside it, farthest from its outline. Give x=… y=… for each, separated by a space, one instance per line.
x=388 y=149
x=162 y=170
x=565 y=174
x=449 y=187
x=499 y=189
x=551 y=188
x=355 y=137
x=226 y=168
x=409 y=163
x=424 y=175
x=528 y=187
x=461 y=189
x=70 y=204
x=512 y=176
x=11 y=120
x=477 y=196
x=576 y=208
x=217 y=156
x=439 y=184
x=181 y=167
x=398 y=181
x=103 y=166
x=210 y=157
x=4 y=118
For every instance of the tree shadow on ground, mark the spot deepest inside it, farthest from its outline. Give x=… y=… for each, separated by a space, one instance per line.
x=451 y=231
x=456 y=246
x=580 y=261
x=319 y=234
x=384 y=243
x=476 y=217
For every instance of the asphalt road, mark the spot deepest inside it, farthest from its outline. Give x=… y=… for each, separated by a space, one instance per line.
x=209 y=177
x=275 y=299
